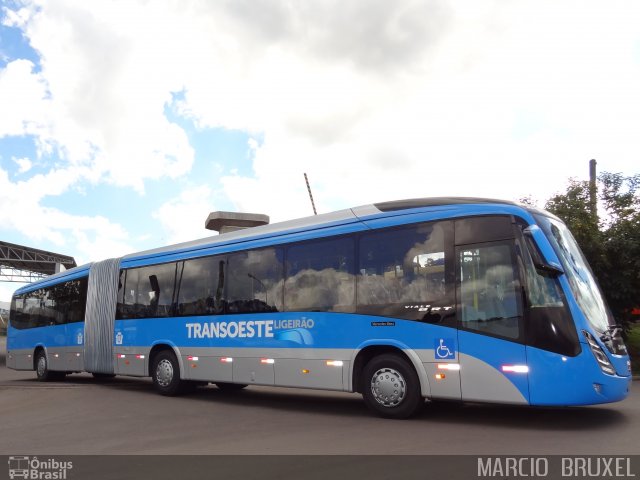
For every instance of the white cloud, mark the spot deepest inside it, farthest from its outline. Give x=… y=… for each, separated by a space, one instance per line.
x=444 y=119
x=24 y=164
x=85 y=237
x=100 y=95
x=183 y=217
x=16 y=18
x=23 y=97
x=375 y=100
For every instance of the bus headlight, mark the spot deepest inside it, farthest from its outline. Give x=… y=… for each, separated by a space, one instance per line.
x=601 y=357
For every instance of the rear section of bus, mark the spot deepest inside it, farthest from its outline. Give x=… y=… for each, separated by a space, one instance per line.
x=46 y=326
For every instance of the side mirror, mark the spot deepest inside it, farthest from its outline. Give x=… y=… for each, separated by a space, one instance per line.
x=543 y=266
x=552 y=268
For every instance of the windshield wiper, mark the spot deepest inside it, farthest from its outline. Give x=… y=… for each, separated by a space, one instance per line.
x=612 y=338
x=610 y=332
x=490 y=319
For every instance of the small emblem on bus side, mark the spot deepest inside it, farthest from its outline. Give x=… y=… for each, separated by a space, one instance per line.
x=119 y=338
x=444 y=348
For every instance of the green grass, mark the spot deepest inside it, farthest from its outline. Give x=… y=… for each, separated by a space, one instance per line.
x=633 y=345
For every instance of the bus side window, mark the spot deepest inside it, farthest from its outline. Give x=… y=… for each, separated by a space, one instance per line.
x=155 y=291
x=32 y=309
x=54 y=305
x=74 y=299
x=255 y=281
x=200 y=286
x=320 y=276
x=405 y=273
x=120 y=306
x=489 y=290
x=48 y=314
x=127 y=295
x=17 y=317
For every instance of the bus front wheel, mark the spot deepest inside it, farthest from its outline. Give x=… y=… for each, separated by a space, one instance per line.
x=43 y=373
x=166 y=374
x=391 y=387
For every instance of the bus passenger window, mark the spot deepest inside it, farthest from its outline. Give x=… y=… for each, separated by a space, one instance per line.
x=32 y=308
x=403 y=273
x=489 y=291
x=155 y=290
x=70 y=300
x=201 y=286
x=147 y=292
x=320 y=276
x=126 y=307
x=120 y=305
x=255 y=281
x=48 y=312
x=17 y=319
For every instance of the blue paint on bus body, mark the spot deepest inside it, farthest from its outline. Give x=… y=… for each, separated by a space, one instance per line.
x=551 y=379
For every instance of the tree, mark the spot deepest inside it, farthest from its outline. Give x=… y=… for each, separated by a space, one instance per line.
x=611 y=242
x=621 y=277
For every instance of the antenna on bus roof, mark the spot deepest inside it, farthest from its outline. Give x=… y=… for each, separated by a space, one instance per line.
x=310 y=196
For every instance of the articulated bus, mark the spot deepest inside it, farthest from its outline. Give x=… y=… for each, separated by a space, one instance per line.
x=467 y=299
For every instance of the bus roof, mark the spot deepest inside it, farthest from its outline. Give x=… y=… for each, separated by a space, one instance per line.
x=332 y=219
x=436 y=202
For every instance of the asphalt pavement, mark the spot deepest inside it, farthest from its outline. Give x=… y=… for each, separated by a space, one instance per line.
x=125 y=416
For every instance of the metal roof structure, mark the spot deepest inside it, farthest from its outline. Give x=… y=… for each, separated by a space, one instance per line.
x=25 y=264
x=225 y=222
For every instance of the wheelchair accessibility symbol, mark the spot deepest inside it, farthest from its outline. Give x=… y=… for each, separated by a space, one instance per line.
x=444 y=348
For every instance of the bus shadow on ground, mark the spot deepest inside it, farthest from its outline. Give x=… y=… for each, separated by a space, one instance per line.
x=589 y=418
x=73 y=380
x=537 y=418
x=292 y=399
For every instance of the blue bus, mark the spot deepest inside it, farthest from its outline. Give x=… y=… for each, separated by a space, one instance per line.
x=467 y=299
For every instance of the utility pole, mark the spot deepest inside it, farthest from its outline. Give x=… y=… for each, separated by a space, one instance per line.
x=310 y=196
x=593 y=191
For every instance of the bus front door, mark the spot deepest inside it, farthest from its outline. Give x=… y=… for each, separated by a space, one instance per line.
x=493 y=361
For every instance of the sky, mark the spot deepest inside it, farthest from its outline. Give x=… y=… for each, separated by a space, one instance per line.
x=124 y=123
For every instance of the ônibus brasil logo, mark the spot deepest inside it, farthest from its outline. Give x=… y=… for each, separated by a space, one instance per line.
x=37 y=469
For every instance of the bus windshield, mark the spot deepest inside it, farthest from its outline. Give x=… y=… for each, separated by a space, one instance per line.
x=581 y=280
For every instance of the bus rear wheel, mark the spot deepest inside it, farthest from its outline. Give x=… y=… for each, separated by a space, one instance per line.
x=391 y=388
x=43 y=374
x=166 y=374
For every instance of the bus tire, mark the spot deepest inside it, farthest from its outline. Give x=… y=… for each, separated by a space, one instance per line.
x=230 y=387
x=166 y=374
x=391 y=388
x=43 y=374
